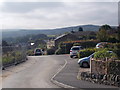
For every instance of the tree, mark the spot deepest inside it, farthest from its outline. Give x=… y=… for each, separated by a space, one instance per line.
x=102 y=35
x=118 y=35
x=4 y=43
x=105 y=27
x=80 y=29
x=72 y=31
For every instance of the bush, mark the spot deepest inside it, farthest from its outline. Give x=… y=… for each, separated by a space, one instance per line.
x=30 y=52
x=60 y=51
x=76 y=44
x=86 y=52
x=63 y=48
x=18 y=56
x=51 y=51
x=88 y=44
x=11 y=57
x=7 y=59
x=103 y=54
x=115 y=47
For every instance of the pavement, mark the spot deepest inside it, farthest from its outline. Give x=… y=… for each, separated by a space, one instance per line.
x=68 y=76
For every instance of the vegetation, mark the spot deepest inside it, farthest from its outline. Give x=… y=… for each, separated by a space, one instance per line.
x=51 y=51
x=105 y=34
x=12 y=57
x=108 y=34
x=118 y=35
x=86 y=52
x=103 y=54
x=12 y=54
x=26 y=39
x=4 y=43
x=63 y=49
x=88 y=43
x=80 y=29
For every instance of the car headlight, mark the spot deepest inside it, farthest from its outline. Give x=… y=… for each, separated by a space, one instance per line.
x=79 y=61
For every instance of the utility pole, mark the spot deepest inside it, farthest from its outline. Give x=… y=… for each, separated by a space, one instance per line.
x=119 y=13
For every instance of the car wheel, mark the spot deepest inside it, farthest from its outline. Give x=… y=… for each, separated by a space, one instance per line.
x=85 y=64
x=71 y=56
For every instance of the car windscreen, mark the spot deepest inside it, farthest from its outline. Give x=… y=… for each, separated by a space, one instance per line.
x=38 y=50
x=75 y=48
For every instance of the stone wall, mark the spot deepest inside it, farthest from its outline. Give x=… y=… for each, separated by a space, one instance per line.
x=105 y=67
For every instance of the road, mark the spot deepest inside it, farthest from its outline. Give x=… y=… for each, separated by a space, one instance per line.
x=36 y=72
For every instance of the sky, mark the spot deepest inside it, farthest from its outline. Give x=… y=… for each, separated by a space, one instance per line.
x=36 y=14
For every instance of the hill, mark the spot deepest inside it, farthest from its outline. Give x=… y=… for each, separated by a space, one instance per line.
x=23 y=32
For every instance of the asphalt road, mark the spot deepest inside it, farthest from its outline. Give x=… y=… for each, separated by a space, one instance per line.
x=36 y=72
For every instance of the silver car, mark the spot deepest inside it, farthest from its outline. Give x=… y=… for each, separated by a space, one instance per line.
x=85 y=62
x=74 y=51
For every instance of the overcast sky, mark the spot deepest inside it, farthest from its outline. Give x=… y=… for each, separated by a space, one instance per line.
x=47 y=15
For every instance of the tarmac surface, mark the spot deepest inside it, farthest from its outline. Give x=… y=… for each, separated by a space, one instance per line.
x=69 y=74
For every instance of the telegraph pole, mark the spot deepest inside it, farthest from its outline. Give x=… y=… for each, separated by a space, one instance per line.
x=119 y=13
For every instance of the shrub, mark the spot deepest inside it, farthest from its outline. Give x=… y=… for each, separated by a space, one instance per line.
x=30 y=52
x=60 y=51
x=18 y=55
x=76 y=44
x=86 y=52
x=88 y=44
x=51 y=51
x=63 y=48
x=115 y=47
x=103 y=54
x=7 y=59
x=11 y=57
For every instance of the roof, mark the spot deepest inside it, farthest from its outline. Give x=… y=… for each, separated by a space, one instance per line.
x=60 y=36
x=84 y=33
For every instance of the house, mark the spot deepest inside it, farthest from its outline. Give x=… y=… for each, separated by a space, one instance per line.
x=73 y=36
x=64 y=37
x=50 y=44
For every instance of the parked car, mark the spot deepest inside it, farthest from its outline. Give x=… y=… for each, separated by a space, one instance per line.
x=74 y=51
x=85 y=62
x=38 y=51
x=101 y=44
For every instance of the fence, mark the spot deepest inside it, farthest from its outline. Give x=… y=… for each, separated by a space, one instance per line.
x=13 y=55
x=105 y=67
x=103 y=72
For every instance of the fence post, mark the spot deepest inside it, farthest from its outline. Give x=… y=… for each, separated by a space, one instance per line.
x=106 y=65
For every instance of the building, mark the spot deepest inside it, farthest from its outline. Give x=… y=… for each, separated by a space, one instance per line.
x=50 y=44
x=64 y=37
x=79 y=35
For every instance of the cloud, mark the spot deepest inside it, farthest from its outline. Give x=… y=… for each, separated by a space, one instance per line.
x=45 y=15
x=23 y=7
x=59 y=1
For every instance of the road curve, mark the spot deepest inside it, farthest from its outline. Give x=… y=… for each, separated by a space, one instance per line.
x=35 y=73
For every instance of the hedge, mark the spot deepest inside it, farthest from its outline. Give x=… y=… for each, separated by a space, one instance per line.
x=86 y=52
x=103 y=54
x=51 y=51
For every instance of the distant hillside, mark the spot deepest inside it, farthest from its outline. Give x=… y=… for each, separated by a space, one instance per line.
x=23 y=32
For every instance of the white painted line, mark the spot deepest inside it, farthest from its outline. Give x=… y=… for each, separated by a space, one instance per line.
x=58 y=83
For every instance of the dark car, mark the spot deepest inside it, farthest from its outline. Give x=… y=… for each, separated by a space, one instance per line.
x=38 y=52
